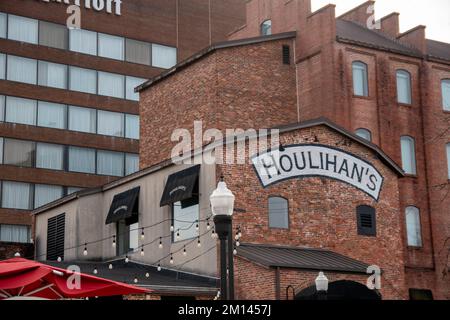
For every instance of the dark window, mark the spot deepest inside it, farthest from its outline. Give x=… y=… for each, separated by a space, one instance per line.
x=418 y=294
x=185 y=217
x=366 y=219
x=286 y=55
x=278 y=213
x=55 y=237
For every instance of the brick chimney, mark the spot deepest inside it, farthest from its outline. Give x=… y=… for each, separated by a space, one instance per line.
x=390 y=25
x=416 y=38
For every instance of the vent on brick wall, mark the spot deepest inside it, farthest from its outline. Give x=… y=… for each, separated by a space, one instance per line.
x=286 y=55
x=366 y=219
x=55 y=237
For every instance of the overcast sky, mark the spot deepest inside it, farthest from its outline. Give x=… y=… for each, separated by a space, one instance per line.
x=435 y=14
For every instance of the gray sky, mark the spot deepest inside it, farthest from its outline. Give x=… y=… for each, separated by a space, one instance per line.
x=435 y=14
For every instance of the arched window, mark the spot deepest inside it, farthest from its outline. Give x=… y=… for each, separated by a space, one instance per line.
x=445 y=87
x=408 y=155
x=364 y=133
x=278 y=213
x=266 y=28
x=413 y=229
x=403 y=87
x=448 y=159
x=360 y=83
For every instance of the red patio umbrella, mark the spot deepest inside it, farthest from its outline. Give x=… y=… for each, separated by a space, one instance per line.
x=25 y=278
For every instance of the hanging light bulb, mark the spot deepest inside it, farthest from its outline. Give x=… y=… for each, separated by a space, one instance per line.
x=160 y=243
x=239 y=232
x=197 y=226
x=95 y=270
x=127 y=259
x=172 y=228
x=238 y=243
x=142 y=234
x=178 y=234
x=199 y=244
x=135 y=280
x=159 y=267
x=236 y=237
x=85 y=252
x=234 y=251
x=208 y=225
x=171 y=259
x=110 y=266
x=184 y=251
x=59 y=259
x=147 y=275
x=213 y=234
x=142 y=251
x=114 y=242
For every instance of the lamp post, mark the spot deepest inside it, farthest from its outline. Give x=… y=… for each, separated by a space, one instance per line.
x=222 y=206
x=322 y=286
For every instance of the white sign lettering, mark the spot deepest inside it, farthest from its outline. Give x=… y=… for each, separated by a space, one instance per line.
x=108 y=6
x=303 y=161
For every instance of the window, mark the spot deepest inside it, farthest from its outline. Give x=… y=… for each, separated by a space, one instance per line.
x=110 y=46
x=360 y=82
x=185 y=215
x=364 y=133
x=163 y=56
x=3 y=21
x=2 y=66
x=18 y=152
x=448 y=159
x=1 y=150
x=110 y=123
x=44 y=194
x=278 y=213
x=132 y=83
x=53 y=35
x=81 y=160
x=83 y=41
x=49 y=156
x=16 y=195
x=132 y=126
x=22 y=29
x=71 y=190
x=20 y=110
x=51 y=115
x=82 y=119
x=286 y=54
x=366 y=220
x=52 y=75
x=2 y=108
x=127 y=236
x=14 y=233
x=408 y=155
x=445 y=86
x=111 y=85
x=138 y=52
x=413 y=229
x=55 y=237
x=83 y=80
x=266 y=28
x=131 y=163
x=403 y=87
x=22 y=69
x=110 y=163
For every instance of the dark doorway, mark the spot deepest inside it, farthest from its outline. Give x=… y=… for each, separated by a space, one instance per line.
x=341 y=290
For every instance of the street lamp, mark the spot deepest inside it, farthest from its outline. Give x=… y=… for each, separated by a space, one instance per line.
x=222 y=206
x=322 y=286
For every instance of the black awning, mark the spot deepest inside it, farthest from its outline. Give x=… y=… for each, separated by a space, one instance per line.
x=124 y=206
x=180 y=186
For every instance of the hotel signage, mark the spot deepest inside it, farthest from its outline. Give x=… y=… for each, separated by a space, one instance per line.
x=109 y=6
x=303 y=161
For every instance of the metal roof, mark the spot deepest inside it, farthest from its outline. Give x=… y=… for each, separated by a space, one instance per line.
x=437 y=49
x=300 y=258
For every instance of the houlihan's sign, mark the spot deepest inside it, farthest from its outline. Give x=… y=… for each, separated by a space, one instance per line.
x=303 y=161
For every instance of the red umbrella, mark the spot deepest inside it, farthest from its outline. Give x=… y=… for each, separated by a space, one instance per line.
x=25 y=278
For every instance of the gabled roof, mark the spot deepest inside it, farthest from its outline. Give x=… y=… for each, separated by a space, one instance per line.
x=273 y=256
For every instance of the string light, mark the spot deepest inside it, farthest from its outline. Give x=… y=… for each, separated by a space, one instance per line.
x=95 y=270
x=239 y=232
x=147 y=275
x=208 y=226
x=172 y=228
x=197 y=226
x=142 y=251
x=238 y=243
x=171 y=259
x=142 y=234
x=178 y=234
x=159 y=267
x=85 y=252
x=114 y=242
x=234 y=251
x=213 y=234
x=184 y=251
x=127 y=259
x=136 y=280
x=110 y=266
x=199 y=244
x=59 y=259
x=160 y=243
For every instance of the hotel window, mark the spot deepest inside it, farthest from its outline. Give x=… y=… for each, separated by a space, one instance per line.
x=19 y=110
x=53 y=35
x=22 y=69
x=3 y=21
x=55 y=237
x=51 y=115
x=83 y=80
x=266 y=28
x=364 y=133
x=366 y=221
x=110 y=163
x=2 y=66
x=278 y=213
x=448 y=159
x=132 y=83
x=83 y=41
x=14 y=233
x=1 y=150
x=110 y=46
x=49 y=156
x=445 y=86
x=131 y=163
x=2 y=108
x=408 y=155
x=132 y=126
x=413 y=229
x=44 y=194
x=163 y=56
x=111 y=84
x=52 y=75
x=110 y=123
x=138 y=52
x=18 y=152
x=81 y=160
x=403 y=87
x=360 y=82
x=22 y=29
x=16 y=195
x=82 y=119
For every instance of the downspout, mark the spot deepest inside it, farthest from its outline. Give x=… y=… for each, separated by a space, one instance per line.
x=277 y=284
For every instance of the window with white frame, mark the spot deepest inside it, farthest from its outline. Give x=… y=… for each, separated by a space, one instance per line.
x=110 y=123
x=21 y=69
x=51 y=115
x=364 y=133
x=82 y=119
x=413 y=227
x=266 y=28
x=14 y=233
x=445 y=88
x=163 y=56
x=53 y=35
x=110 y=163
x=83 y=80
x=20 y=110
x=83 y=41
x=132 y=126
x=131 y=83
x=22 y=29
x=360 y=82
x=2 y=108
x=404 y=87
x=131 y=163
x=2 y=66
x=49 y=156
x=52 y=75
x=44 y=194
x=1 y=150
x=18 y=152
x=16 y=195
x=111 y=46
x=111 y=84
x=82 y=160
x=138 y=52
x=3 y=22
x=408 y=150
x=278 y=213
